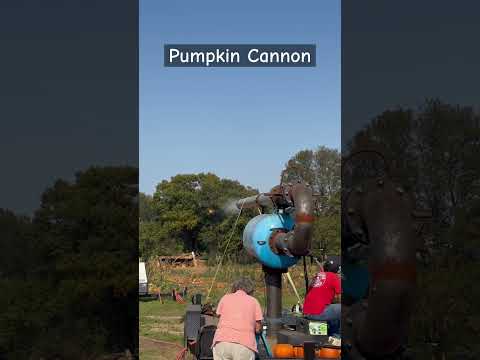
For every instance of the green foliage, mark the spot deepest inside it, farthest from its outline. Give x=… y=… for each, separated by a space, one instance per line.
x=154 y=239
x=192 y=212
x=72 y=269
x=326 y=228
x=321 y=169
x=17 y=250
x=446 y=304
x=146 y=212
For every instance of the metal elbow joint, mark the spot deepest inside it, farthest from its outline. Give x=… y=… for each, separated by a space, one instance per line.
x=298 y=241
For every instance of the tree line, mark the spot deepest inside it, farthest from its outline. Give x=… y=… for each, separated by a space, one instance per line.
x=196 y=212
x=68 y=274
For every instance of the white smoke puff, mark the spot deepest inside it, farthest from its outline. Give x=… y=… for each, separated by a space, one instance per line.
x=230 y=207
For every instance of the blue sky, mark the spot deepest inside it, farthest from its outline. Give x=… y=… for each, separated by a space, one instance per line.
x=239 y=123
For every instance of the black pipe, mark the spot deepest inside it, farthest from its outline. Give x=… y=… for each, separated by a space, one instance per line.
x=273 y=284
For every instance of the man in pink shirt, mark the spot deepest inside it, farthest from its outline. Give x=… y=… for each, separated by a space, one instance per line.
x=240 y=318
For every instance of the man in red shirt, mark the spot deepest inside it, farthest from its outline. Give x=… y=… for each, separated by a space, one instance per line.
x=323 y=291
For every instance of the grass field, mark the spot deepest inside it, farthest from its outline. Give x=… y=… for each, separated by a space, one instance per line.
x=161 y=322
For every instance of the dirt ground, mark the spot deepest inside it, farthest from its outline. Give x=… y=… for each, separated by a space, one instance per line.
x=158 y=350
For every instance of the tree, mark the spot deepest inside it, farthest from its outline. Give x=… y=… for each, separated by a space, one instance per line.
x=17 y=250
x=67 y=273
x=326 y=229
x=87 y=234
x=191 y=212
x=320 y=169
x=146 y=211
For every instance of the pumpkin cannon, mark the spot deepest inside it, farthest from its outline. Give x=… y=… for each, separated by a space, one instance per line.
x=277 y=238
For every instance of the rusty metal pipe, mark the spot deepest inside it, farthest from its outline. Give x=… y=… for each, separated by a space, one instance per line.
x=298 y=241
x=302 y=198
x=386 y=214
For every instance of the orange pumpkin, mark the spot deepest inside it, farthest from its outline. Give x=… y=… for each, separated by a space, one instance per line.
x=328 y=353
x=283 y=351
x=298 y=352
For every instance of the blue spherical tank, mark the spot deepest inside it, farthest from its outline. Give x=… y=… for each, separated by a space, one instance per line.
x=256 y=239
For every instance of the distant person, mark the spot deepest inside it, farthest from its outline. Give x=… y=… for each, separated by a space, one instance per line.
x=240 y=319
x=324 y=290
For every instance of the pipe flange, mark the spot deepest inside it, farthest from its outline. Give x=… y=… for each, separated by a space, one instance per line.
x=272 y=241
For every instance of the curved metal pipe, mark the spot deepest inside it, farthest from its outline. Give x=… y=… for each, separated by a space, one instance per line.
x=298 y=241
x=385 y=214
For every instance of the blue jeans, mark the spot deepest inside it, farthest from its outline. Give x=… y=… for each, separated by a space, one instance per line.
x=332 y=315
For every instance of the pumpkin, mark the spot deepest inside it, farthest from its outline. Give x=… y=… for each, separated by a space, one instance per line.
x=298 y=352
x=283 y=351
x=328 y=353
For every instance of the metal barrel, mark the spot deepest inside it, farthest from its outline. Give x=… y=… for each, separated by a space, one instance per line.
x=254 y=201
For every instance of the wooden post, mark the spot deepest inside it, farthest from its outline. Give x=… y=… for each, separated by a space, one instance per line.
x=194 y=260
x=293 y=286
